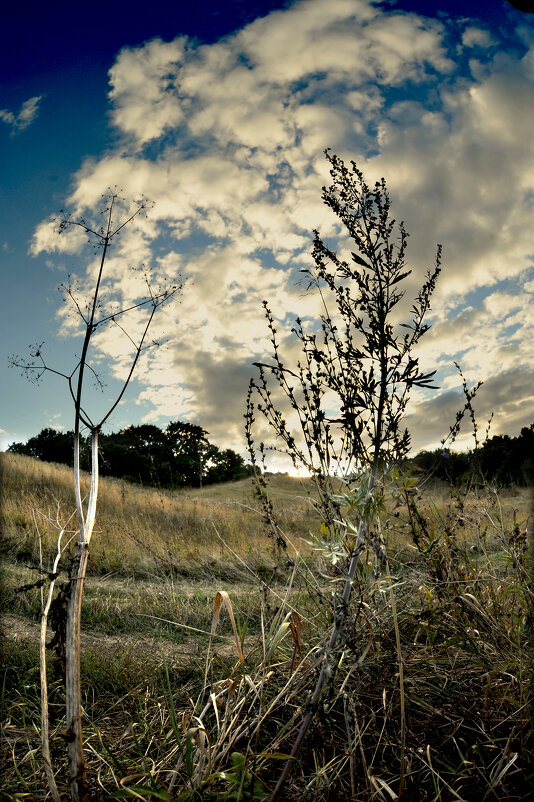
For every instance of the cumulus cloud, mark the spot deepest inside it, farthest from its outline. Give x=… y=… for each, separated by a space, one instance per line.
x=464 y=174
x=145 y=115
x=228 y=139
x=27 y=114
x=477 y=37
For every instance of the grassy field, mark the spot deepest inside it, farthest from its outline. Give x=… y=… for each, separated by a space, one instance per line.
x=148 y=532
x=431 y=694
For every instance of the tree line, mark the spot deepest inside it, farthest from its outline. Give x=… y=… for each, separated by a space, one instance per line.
x=182 y=456
x=501 y=459
x=178 y=456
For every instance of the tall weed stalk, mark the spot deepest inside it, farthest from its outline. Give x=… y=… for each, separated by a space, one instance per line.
x=350 y=388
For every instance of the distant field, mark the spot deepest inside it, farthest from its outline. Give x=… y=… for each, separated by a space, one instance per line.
x=149 y=532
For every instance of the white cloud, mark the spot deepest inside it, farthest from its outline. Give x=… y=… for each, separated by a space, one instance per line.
x=236 y=132
x=27 y=114
x=463 y=174
x=53 y=422
x=477 y=37
x=504 y=394
x=46 y=238
x=148 y=114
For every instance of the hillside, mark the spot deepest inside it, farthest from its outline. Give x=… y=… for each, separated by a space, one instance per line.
x=436 y=650
x=146 y=531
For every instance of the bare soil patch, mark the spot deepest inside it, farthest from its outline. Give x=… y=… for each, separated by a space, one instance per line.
x=16 y=627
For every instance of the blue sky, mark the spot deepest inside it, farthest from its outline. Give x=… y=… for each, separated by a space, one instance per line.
x=220 y=115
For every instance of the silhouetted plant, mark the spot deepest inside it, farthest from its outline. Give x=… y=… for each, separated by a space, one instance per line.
x=350 y=388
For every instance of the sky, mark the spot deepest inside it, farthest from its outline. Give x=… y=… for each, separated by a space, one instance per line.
x=220 y=115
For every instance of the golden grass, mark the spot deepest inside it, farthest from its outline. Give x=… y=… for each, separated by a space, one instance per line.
x=472 y=517
x=149 y=531
x=152 y=532
x=223 y=707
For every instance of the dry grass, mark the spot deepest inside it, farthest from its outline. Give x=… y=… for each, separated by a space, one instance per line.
x=150 y=532
x=175 y=709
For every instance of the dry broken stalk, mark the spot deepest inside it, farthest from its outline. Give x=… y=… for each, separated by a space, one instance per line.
x=45 y=609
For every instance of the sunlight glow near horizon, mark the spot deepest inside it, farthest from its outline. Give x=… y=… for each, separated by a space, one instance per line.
x=298 y=473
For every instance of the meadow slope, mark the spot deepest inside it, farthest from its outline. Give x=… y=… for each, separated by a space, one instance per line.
x=431 y=697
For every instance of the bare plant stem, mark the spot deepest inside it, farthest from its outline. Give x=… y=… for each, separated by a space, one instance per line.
x=530 y=607
x=402 y=696
x=45 y=738
x=36 y=366
x=79 y=788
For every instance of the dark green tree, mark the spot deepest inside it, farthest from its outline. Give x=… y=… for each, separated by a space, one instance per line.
x=190 y=449
x=179 y=456
x=49 y=445
x=226 y=466
x=139 y=453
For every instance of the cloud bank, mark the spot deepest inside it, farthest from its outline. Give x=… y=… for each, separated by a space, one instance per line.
x=228 y=139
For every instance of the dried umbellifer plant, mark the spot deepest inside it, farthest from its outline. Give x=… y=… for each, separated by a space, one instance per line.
x=100 y=310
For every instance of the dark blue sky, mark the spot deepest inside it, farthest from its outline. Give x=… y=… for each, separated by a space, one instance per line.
x=45 y=39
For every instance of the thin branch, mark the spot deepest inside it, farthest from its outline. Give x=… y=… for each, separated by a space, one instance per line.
x=130 y=374
x=159 y=299
x=86 y=520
